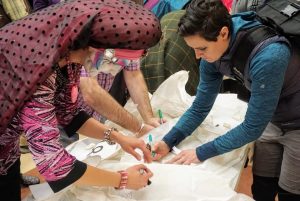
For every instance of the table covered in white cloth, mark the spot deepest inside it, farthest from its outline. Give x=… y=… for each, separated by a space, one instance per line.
x=214 y=179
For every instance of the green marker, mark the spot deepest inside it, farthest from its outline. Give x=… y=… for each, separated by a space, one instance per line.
x=151 y=144
x=160 y=116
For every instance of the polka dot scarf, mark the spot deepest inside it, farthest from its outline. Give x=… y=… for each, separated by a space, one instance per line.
x=30 y=47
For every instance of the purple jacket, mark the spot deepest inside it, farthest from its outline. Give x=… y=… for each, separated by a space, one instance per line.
x=40 y=4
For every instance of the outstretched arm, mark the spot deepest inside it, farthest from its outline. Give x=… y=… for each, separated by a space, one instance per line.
x=102 y=102
x=139 y=93
x=100 y=177
x=95 y=129
x=60 y=169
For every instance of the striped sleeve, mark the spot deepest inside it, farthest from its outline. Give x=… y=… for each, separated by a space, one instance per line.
x=39 y=123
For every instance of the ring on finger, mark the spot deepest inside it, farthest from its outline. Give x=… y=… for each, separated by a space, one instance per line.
x=142 y=171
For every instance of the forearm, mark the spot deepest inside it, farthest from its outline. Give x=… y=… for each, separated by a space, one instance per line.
x=104 y=104
x=94 y=129
x=139 y=93
x=99 y=177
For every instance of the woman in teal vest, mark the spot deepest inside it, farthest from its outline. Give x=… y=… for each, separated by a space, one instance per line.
x=273 y=121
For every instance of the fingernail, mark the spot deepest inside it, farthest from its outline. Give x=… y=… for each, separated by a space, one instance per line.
x=149 y=182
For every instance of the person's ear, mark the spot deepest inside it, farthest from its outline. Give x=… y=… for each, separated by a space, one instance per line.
x=224 y=33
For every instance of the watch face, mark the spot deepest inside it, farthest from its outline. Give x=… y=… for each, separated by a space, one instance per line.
x=109 y=63
x=109 y=53
x=105 y=61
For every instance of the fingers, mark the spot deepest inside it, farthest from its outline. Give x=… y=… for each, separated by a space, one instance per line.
x=187 y=162
x=180 y=161
x=139 y=176
x=145 y=172
x=136 y=155
x=156 y=124
x=157 y=157
x=174 y=159
x=177 y=161
x=155 y=148
x=186 y=157
x=148 y=171
x=161 y=149
x=147 y=153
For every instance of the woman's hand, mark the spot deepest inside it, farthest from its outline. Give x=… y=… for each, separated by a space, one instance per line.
x=161 y=149
x=129 y=144
x=185 y=157
x=138 y=176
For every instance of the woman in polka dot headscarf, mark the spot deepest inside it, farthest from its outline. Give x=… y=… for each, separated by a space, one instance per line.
x=41 y=57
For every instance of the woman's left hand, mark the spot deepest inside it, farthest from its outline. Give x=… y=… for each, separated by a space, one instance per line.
x=185 y=157
x=129 y=144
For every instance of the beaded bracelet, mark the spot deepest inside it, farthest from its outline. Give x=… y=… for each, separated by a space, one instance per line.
x=107 y=136
x=124 y=180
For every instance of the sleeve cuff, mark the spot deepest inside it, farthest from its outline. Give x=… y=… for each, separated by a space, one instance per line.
x=76 y=123
x=206 y=151
x=173 y=138
x=78 y=170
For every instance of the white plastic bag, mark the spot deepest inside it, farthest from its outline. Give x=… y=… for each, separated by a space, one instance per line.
x=171 y=96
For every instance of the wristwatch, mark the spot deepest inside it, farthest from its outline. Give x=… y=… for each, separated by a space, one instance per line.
x=110 y=54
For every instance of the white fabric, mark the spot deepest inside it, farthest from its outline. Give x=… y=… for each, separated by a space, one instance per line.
x=183 y=183
x=226 y=113
x=84 y=148
x=213 y=180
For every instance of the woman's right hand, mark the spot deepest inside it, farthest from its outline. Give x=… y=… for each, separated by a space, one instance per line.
x=138 y=176
x=161 y=149
x=130 y=144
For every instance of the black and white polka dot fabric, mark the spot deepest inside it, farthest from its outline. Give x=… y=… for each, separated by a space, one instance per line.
x=30 y=47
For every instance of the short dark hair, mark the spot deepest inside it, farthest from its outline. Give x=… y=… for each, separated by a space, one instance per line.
x=206 y=18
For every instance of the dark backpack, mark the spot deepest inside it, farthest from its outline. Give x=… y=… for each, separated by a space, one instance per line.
x=279 y=17
x=4 y=19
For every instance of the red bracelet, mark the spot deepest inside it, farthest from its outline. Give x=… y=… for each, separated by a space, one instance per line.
x=124 y=179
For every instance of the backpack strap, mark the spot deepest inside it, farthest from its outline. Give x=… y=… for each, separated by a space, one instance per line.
x=252 y=38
